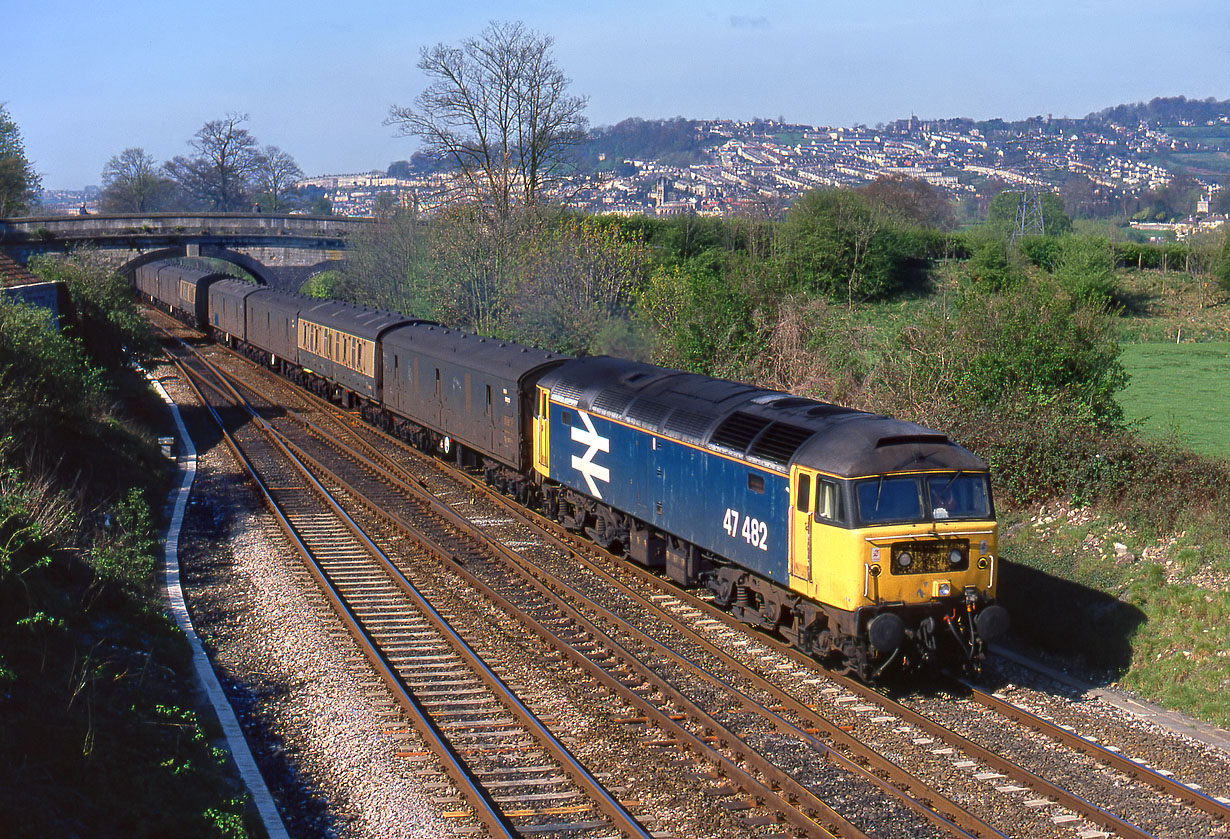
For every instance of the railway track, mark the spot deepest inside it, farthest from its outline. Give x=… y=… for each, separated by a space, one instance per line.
x=748 y=780
x=454 y=698
x=762 y=699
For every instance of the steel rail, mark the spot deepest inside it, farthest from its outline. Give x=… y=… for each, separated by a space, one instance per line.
x=802 y=814
x=1101 y=753
x=485 y=809
x=469 y=785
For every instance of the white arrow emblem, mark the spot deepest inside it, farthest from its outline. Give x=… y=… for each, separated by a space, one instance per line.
x=585 y=464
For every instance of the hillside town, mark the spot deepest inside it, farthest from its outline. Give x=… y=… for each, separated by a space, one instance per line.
x=758 y=167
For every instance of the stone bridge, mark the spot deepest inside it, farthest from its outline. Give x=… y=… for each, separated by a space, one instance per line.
x=280 y=250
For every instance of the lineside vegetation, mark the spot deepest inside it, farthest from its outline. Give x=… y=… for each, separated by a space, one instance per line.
x=96 y=722
x=869 y=298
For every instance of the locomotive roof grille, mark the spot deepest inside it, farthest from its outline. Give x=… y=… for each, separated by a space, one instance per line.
x=779 y=442
x=738 y=430
x=912 y=439
x=648 y=413
x=687 y=423
x=614 y=400
x=566 y=391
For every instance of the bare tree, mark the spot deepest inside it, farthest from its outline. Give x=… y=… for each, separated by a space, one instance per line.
x=220 y=176
x=497 y=109
x=132 y=184
x=276 y=173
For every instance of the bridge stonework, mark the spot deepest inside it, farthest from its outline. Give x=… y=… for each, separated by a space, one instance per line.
x=282 y=251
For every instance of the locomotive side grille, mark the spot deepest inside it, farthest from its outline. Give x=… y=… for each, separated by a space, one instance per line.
x=779 y=442
x=738 y=430
x=931 y=557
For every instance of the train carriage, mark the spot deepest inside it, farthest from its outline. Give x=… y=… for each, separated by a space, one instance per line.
x=468 y=390
x=227 y=309
x=270 y=320
x=341 y=342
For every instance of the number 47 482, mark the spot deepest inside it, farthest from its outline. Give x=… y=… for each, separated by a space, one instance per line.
x=753 y=530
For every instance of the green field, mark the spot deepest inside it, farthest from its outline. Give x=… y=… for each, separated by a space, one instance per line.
x=1181 y=389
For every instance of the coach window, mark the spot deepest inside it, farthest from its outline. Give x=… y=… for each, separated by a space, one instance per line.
x=437 y=381
x=565 y=417
x=755 y=483
x=802 y=501
x=488 y=400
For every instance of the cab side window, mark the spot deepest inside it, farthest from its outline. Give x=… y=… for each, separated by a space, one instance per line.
x=829 y=504
x=802 y=495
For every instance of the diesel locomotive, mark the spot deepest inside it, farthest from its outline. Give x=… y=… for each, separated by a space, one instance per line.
x=867 y=541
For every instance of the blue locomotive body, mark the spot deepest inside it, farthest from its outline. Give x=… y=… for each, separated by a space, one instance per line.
x=732 y=508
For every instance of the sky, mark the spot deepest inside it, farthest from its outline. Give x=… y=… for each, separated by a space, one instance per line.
x=85 y=80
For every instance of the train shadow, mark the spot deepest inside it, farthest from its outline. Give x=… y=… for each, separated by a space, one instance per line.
x=1091 y=628
x=1081 y=635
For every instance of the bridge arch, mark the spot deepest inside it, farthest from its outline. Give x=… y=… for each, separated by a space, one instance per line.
x=256 y=269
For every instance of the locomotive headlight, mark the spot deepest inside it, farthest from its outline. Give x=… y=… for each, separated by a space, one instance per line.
x=955 y=557
x=941 y=589
x=904 y=559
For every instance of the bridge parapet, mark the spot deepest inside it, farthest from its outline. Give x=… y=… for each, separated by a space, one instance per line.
x=163 y=225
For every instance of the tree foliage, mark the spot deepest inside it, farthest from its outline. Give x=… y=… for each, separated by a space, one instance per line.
x=498 y=110
x=101 y=313
x=220 y=176
x=133 y=183
x=910 y=201
x=20 y=185
x=836 y=242
x=576 y=281
x=1004 y=207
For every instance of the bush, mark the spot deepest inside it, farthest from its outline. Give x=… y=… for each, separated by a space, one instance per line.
x=124 y=554
x=834 y=242
x=1223 y=262
x=1042 y=251
x=991 y=266
x=1032 y=344
x=46 y=385
x=1084 y=266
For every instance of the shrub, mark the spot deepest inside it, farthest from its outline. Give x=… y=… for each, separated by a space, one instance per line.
x=1223 y=262
x=834 y=242
x=101 y=311
x=1084 y=266
x=1042 y=251
x=46 y=386
x=991 y=264
x=125 y=553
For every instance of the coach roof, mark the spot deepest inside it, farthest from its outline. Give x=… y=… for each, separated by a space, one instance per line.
x=502 y=359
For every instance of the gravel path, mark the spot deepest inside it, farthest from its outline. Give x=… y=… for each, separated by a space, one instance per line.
x=296 y=686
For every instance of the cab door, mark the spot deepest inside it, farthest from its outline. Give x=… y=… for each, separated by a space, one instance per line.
x=802 y=483
x=542 y=460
